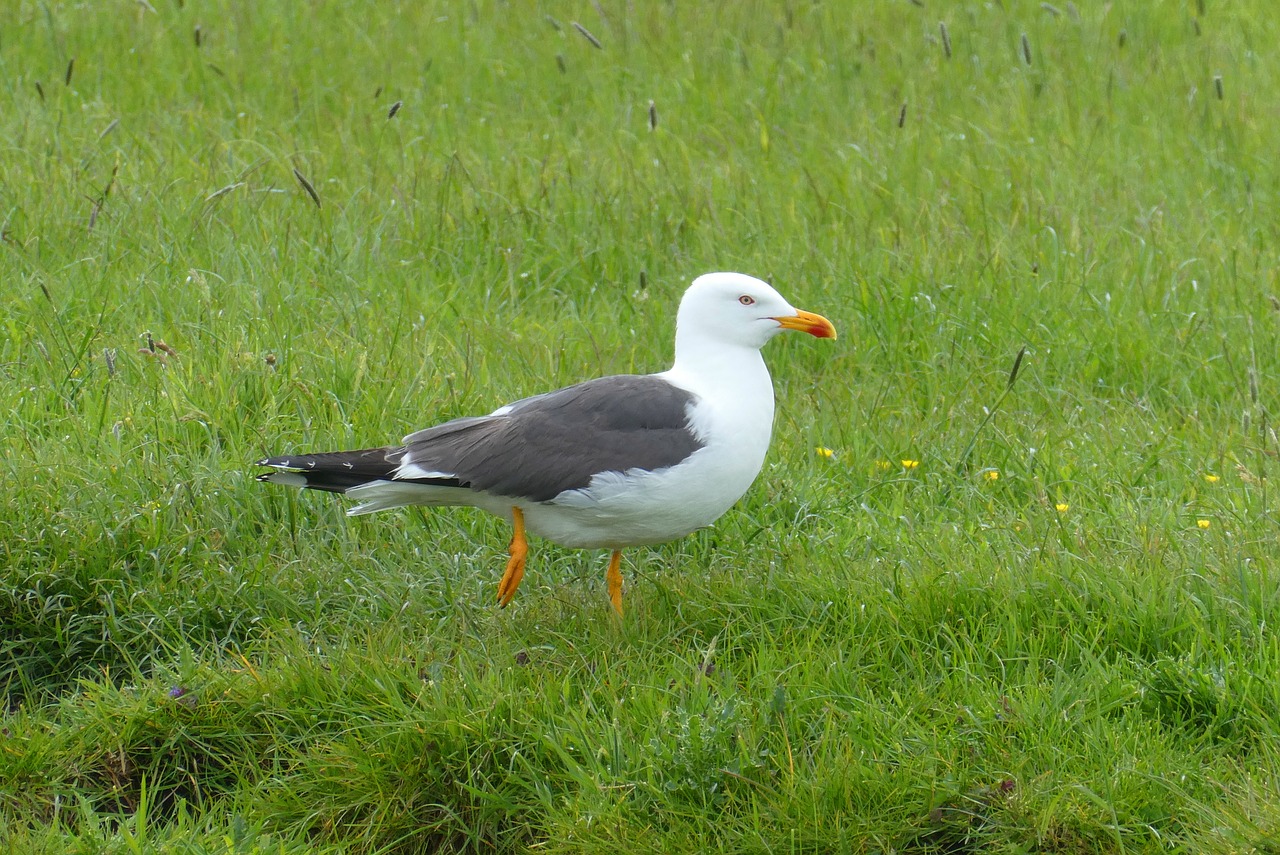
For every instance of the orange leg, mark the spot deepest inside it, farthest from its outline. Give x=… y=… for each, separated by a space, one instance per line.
x=615 y=581
x=515 y=564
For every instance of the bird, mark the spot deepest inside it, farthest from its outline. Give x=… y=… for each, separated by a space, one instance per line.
x=611 y=463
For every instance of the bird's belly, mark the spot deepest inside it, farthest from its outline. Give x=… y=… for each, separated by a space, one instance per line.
x=639 y=508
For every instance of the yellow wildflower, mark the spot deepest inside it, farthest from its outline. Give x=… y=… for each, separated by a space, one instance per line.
x=823 y=451
x=1202 y=523
x=1062 y=507
x=910 y=464
x=992 y=474
x=1211 y=478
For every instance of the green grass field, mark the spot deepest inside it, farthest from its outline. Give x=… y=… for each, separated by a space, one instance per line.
x=1035 y=615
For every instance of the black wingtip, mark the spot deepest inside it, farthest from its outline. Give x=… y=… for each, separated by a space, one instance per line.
x=334 y=471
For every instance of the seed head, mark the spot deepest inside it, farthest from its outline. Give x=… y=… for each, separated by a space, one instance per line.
x=586 y=34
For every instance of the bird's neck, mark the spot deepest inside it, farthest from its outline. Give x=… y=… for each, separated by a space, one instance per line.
x=735 y=402
x=728 y=372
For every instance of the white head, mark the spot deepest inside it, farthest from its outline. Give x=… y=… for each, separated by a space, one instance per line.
x=739 y=310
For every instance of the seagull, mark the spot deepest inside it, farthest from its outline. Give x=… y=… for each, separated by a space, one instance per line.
x=619 y=461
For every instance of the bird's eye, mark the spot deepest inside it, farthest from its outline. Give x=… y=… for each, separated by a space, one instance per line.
x=747 y=300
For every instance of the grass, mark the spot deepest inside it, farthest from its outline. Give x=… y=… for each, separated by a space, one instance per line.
x=1076 y=655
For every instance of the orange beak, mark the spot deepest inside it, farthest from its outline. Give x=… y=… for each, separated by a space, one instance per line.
x=814 y=325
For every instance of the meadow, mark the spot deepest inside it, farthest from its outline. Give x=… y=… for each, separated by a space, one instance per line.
x=1007 y=583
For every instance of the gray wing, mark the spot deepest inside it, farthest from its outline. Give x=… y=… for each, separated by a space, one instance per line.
x=539 y=447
